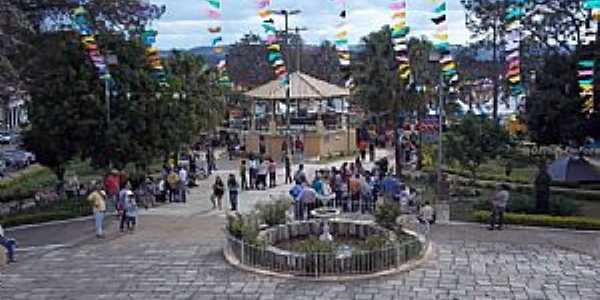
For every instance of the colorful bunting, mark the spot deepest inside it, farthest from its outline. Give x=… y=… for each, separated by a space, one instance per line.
x=274 y=49
x=442 y=45
x=153 y=56
x=214 y=12
x=81 y=23
x=514 y=13
x=587 y=62
x=400 y=32
x=341 y=42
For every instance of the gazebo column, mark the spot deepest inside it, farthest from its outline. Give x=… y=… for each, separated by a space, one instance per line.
x=319 y=123
x=253 y=116
x=273 y=121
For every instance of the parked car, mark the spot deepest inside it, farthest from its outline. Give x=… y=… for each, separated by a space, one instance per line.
x=18 y=159
x=5 y=138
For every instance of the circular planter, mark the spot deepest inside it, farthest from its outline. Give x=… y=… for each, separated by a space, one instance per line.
x=346 y=264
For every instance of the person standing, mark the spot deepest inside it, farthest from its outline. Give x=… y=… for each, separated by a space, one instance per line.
x=98 y=201
x=9 y=244
x=426 y=216
x=308 y=200
x=172 y=185
x=272 y=173
x=263 y=169
x=284 y=150
x=218 y=191
x=182 y=185
x=234 y=190
x=295 y=192
x=131 y=211
x=499 y=202
x=372 y=151
x=123 y=203
x=288 y=169
x=300 y=174
x=111 y=186
x=300 y=149
x=243 y=177
x=253 y=170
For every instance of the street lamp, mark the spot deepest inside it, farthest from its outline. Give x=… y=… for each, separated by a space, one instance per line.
x=435 y=57
x=286 y=13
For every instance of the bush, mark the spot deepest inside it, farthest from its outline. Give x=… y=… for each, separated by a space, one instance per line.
x=387 y=213
x=314 y=245
x=525 y=204
x=243 y=228
x=36 y=218
x=578 y=223
x=273 y=212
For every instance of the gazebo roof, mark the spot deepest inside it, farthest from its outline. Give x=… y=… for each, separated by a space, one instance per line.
x=302 y=86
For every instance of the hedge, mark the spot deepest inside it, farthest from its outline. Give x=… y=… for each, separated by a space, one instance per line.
x=578 y=223
x=36 y=218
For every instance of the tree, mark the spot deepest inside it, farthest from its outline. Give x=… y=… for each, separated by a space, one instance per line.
x=381 y=91
x=65 y=112
x=474 y=141
x=554 y=109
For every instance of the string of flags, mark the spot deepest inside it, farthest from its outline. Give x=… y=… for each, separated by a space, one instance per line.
x=441 y=44
x=214 y=12
x=80 y=19
x=341 y=43
x=400 y=32
x=153 y=56
x=587 y=62
x=274 y=55
x=514 y=14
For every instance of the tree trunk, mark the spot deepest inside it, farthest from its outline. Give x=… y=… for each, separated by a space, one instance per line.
x=59 y=171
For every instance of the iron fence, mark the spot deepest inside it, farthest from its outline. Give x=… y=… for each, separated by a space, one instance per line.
x=324 y=264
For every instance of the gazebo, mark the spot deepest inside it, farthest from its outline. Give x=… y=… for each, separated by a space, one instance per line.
x=318 y=141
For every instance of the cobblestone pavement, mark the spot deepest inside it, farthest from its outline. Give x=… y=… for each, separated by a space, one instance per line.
x=176 y=254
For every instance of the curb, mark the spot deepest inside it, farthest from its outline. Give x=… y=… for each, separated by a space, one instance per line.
x=521 y=227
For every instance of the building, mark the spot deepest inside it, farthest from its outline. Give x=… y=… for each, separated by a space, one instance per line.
x=13 y=111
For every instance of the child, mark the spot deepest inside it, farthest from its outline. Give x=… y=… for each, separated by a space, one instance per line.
x=9 y=244
x=234 y=190
x=131 y=212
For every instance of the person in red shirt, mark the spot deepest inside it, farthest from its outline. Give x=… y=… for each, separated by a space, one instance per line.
x=112 y=187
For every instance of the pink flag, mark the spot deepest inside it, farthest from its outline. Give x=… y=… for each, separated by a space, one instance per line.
x=214 y=14
x=398 y=5
x=586 y=73
x=263 y=3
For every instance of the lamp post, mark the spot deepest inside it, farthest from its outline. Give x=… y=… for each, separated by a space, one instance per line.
x=286 y=13
x=434 y=57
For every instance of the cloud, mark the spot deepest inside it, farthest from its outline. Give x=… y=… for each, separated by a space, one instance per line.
x=185 y=23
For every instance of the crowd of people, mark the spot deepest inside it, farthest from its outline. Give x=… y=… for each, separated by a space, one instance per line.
x=351 y=188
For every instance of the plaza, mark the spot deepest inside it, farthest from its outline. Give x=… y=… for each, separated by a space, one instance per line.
x=176 y=253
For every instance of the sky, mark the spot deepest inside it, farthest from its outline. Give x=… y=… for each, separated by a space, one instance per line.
x=185 y=22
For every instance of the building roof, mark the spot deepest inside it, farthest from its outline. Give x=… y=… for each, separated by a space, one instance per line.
x=302 y=86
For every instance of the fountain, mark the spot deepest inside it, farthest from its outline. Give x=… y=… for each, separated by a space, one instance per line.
x=325 y=214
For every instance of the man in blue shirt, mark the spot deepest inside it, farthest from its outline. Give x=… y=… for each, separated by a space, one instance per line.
x=295 y=192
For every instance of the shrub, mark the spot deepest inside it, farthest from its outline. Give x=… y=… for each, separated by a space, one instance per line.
x=543 y=220
x=243 y=227
x=273 y=212
x=314 y=245
x=525 y=204
x=387 y=213
x=36 y=218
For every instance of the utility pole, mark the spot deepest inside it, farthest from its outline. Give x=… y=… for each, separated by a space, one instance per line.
x=297 y=30
x=286 y=13
x=495 y=63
